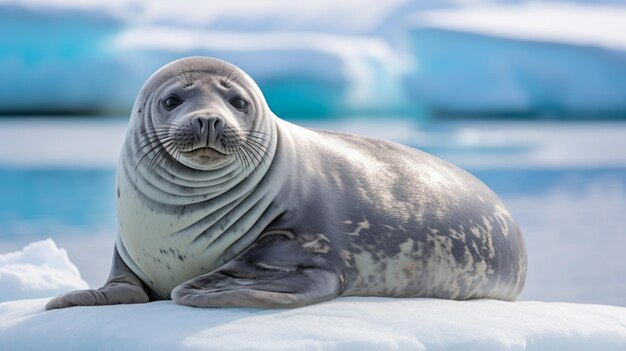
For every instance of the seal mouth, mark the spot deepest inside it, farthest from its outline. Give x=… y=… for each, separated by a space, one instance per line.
x=204 y=154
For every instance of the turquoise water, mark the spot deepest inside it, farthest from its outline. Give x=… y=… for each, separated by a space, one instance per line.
x=66 y=197
x=84 y=197
x=564 y=183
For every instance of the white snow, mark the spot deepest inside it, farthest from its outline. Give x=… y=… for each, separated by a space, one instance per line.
x=89 y=248
x=39 y=269
x=345 y=324
x=363 y=323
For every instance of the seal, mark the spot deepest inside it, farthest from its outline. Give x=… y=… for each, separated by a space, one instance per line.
x=222 y=204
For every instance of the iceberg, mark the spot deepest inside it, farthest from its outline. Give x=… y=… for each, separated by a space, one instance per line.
x=394 y=58
x=543 y=59
x=56 y=60
x=66 y=57
x=40 y=269
x=299 y=73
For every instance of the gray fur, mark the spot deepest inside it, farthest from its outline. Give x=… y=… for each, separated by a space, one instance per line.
x=306 y=216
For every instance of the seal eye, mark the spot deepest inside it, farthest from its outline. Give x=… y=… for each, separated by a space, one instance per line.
x=239 y=103
x=171 y=102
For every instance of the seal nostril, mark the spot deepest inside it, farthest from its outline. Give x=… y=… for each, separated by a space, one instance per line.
x=219 y=126
x=200 y=124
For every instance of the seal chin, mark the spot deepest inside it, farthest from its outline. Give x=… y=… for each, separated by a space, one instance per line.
x=205 y=155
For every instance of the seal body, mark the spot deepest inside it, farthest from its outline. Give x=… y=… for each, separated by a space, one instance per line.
x=398 y=221
x=221 y=203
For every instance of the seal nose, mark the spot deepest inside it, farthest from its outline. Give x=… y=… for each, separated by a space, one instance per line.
x=207 y=130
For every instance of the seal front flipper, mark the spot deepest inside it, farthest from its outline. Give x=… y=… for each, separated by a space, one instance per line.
x=274 y=273
x=122 y=286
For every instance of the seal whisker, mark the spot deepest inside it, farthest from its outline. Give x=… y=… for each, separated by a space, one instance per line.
x=151 y=143
x=258 y=143
x=160 y=152
x=165 y=125
x=244 y=134
x=167 y=159
x=262 y=142
x=239 y=144
x=245 y=130
x=153 y=138
x=250 y=132
x=253 y=151
x=171 y=159
x=167 y=156
x=259 y=150
x=249 y=157
x=249 y=161
x=146 y=154
x=264 y=152
x=245 y=158
x=261 y=161
x=153 y=133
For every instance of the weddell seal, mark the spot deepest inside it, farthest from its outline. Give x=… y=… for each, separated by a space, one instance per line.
x=221 y=203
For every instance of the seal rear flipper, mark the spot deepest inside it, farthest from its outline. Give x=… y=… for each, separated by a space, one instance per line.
x=271 y=274
x=122 y=287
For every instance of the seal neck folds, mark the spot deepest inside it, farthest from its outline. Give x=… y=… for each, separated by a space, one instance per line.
x=179 y=221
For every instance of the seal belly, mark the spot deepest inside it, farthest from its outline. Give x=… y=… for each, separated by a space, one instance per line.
x=167 y=245
x=161 y=259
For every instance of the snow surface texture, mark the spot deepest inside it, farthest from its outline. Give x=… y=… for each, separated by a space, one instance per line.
x=342 y=324
x=39 y=269
x=318 y=58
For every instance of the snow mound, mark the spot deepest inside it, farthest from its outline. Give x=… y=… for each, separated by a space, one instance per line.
x=345 y=324
x=39 y=269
